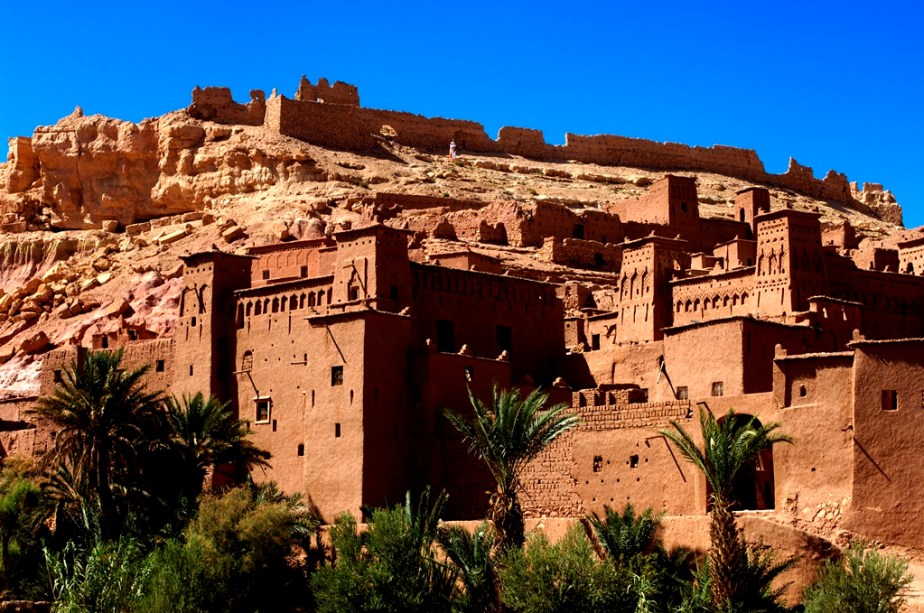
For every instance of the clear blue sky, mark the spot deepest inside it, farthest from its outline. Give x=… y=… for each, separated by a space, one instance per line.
x=835 y=85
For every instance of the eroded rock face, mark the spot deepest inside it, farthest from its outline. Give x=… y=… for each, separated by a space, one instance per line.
x=91 y=172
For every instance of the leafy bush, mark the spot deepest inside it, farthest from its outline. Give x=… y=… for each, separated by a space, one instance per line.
x=566 y=576
x=389 y=567
x=472 y=556
x=863 y=581
x=235 y=558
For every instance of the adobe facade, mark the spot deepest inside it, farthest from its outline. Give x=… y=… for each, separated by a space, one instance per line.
x=343 y=352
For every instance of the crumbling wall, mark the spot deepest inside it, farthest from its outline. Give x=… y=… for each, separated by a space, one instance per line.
x=216 y=104
x=581 y=253
x=339 y=93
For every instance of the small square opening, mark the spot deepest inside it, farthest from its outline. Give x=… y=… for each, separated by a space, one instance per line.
x=889 y=400
x=718 y=388
x=263 y=410
x=336 y=375
x=337 y=430
x=159 y=366
x=633 y=461
x=266 y=274
x=683 y=392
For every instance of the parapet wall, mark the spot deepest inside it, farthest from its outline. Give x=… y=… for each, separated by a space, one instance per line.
x=216 y=104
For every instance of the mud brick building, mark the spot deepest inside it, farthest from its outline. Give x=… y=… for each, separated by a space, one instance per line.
x=343 y=352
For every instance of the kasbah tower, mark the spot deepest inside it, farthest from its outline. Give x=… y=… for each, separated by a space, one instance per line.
x=343 y=339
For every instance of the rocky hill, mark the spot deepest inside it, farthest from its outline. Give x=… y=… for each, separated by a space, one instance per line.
x=96 y=211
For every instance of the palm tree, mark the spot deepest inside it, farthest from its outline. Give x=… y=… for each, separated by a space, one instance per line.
x=506 y=436
x=471 y=554
x=102 y=414
x=729 y=445
x=204 y=433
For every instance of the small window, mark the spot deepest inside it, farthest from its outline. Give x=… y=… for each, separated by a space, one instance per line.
x=336 y=375
x=889 y=400
x=105 y=342
x=718 y=388
x=469 y=373
x=192 y=322
x=159 y=366
x=598 y=463
x=301 y=449
x=132 y=335
x=190 y=370
x=263 y=410
x=683 y=392
x=353 y=293
x=337 y=430
x=504 y=336
x=633 y=461
x=303 y=271
x=445 y=336
x=578 y=231
x=595 y=341
x=58 y=378
x=802 y=391
x=266 y=274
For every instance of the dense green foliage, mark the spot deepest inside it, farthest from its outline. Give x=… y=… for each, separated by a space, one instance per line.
x=391 y=566
x=864 y=581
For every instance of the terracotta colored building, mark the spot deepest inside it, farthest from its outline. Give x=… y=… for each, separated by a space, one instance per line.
x=342 y=353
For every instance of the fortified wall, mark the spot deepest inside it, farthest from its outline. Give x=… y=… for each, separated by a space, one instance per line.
x=330 y=116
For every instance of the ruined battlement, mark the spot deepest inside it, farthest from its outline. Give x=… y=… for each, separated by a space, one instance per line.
x=330 y=116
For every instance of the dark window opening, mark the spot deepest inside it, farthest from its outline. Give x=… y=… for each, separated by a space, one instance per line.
x=105 y=342
x=469 y=373
x=595 y=341
x=159 y=366
x=633 y=461
x=57 y=376
x=741 y=214
x=337 y=430
x=718 y=388
x=192 y=322
x=598 y=463
x=353 y=293
x=889 y=400
x=578 y=231
x=274 y=425
x=266 y=274
x=190 y=370
x=802 y=391
x=301 y=449
x=336 y=375
x=445 y=336
x=132 y=335
x=505 y=338
x=263 y=410
x=683 y=393
x=303 y=271
x=683 y=207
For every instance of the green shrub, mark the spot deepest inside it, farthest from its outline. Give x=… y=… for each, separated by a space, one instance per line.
x=235 y=558
x=566 y=576
x=863 y=581
x=106 y=577
x=389 y=567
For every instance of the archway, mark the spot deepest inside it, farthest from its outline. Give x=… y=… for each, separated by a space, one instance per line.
x=754 y=488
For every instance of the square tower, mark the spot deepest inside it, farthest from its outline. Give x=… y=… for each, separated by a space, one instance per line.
x=648 y=264
x=790 y=262
x=749 y=203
